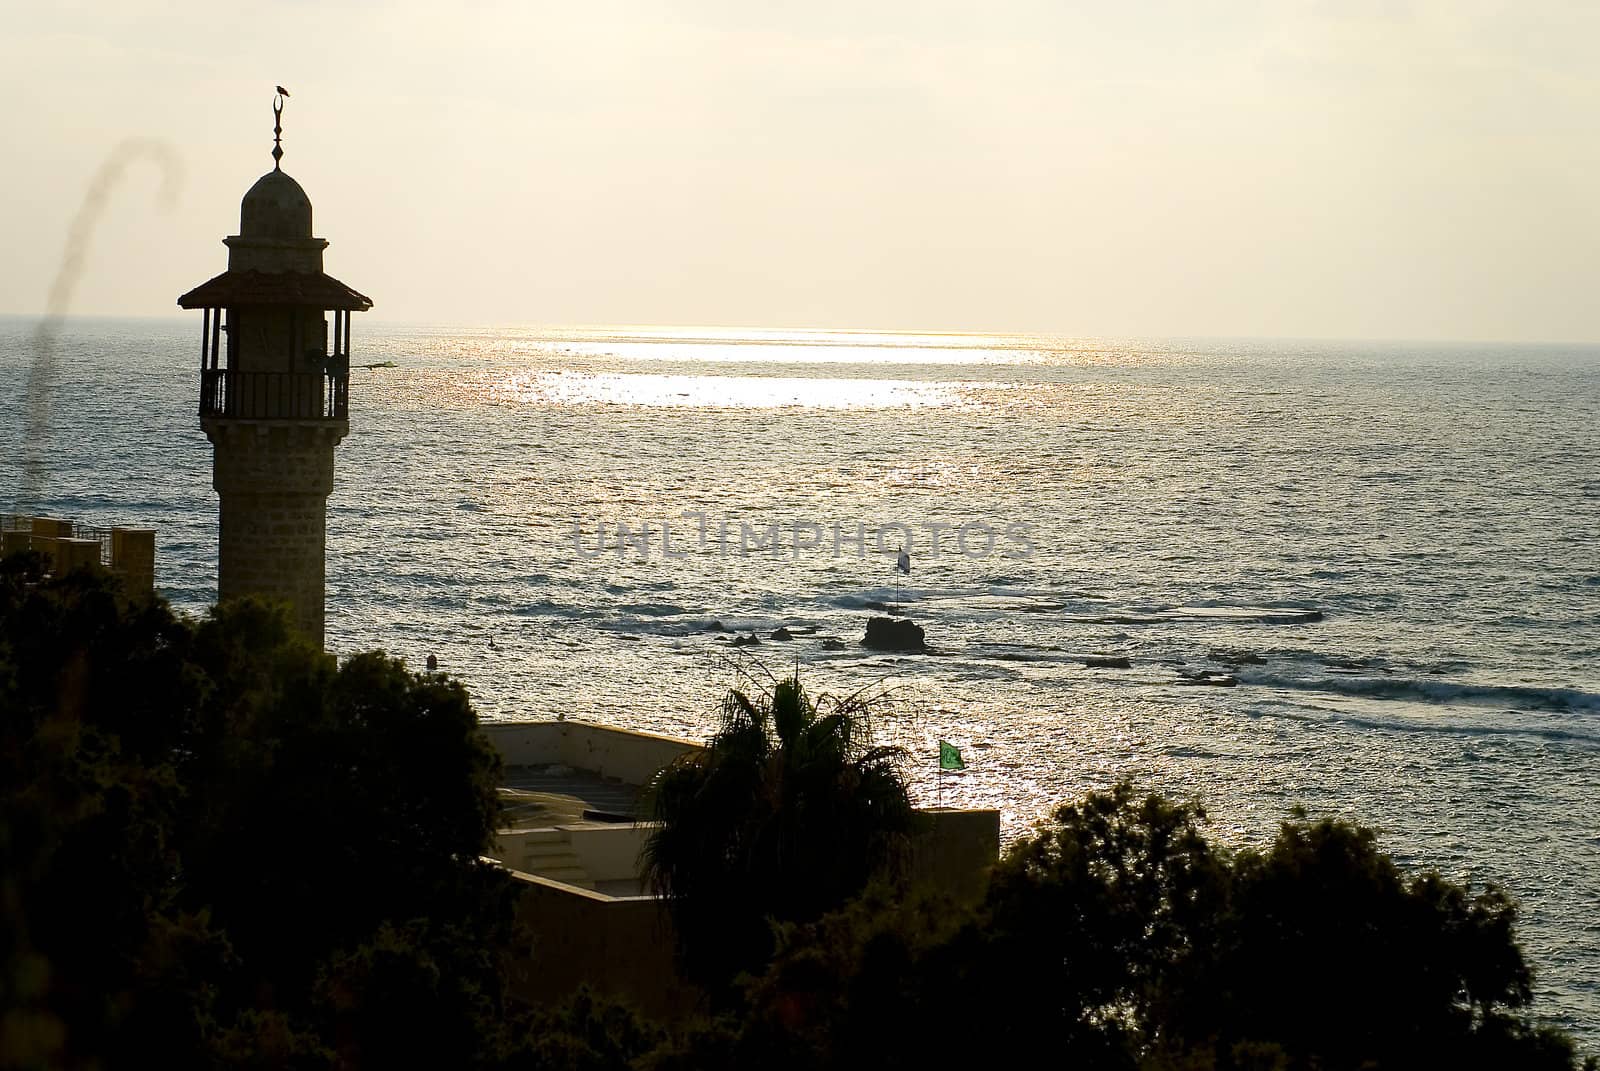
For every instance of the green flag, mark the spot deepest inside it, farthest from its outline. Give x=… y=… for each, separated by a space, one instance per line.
x=950 y=757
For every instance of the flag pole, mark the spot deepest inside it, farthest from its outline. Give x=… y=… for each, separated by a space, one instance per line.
x=949 y=759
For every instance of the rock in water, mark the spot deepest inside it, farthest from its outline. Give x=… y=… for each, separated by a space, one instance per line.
x=1095 y=661
x=1235 y=658
x=781 y=633
x=894 y=634
x=1214 y=678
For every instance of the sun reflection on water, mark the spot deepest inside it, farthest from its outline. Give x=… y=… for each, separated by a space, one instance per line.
x=721 y=392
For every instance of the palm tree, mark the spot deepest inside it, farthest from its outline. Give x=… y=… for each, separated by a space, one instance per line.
x=788 y=812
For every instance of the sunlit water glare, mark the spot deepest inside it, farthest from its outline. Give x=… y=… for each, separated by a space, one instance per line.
x=1169 y=502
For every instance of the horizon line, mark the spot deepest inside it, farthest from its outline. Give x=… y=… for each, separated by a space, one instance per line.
x=181 y=317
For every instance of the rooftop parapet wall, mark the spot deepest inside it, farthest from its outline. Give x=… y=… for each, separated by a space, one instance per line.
x=952 y=849
x=630 y=757
x=67 y=545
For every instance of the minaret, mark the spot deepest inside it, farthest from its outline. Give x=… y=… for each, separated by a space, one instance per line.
x=274 y=394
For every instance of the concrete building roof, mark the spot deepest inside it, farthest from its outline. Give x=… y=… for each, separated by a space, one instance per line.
x=590 y=790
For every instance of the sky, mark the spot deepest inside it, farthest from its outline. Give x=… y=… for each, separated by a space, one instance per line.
x=1357 y=169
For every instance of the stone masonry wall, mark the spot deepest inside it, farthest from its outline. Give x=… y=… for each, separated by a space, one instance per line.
x=272 y=479
x=275 y=254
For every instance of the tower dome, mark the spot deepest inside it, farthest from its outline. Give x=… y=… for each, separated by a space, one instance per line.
x=275 y=207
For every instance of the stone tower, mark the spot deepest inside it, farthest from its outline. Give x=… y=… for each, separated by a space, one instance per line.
x=274 y=395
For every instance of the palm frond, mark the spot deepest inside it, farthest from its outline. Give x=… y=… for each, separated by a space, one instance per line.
x=789 y=811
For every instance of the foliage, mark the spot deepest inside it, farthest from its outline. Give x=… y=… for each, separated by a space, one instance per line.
x=1101 y=906
x=1118 y=936
x=1328 y=952
x=221 y=848
x=788 y=812
x=585 y=1033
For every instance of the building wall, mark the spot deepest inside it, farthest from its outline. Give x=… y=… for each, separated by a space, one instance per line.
x=619 y=947
x=274 y=254
x=133 y=554
x=954 y=850
x=610 y=852
x=624 y=947
x=272 y=481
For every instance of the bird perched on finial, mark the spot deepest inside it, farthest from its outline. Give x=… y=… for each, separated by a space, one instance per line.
x=282 y=92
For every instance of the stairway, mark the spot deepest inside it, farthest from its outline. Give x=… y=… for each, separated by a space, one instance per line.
x=548 y=853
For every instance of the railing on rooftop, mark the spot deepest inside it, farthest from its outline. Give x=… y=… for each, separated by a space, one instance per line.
x=100 y=535
x=274 y=395
x=45 y=529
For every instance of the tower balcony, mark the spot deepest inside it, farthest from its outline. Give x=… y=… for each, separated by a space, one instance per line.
x=230 y=395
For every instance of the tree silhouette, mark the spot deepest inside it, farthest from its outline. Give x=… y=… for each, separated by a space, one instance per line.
x=787 y=813
x=1116 y=935
x=223 y=849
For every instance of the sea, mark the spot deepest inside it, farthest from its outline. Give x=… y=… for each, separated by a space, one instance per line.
x=1390 y=549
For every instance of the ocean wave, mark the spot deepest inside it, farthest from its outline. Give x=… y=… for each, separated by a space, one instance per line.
x=1442 y=693
x=652 y=609
x=673 y=629
x=1233 y=615
x=551 y=608
x=873 y=599
x=1443 y=727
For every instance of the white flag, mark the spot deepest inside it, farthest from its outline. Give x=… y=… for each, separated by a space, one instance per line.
x=903 y=563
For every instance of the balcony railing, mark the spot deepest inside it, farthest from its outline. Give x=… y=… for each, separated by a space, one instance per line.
x=274 y=395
